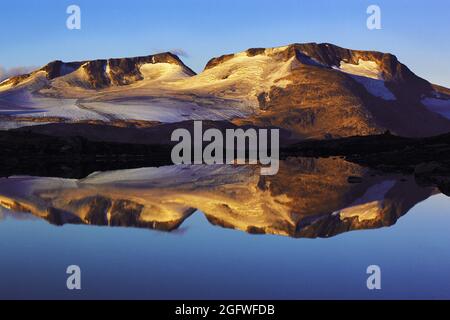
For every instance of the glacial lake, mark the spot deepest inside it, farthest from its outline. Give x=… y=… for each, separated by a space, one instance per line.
x=224 y=232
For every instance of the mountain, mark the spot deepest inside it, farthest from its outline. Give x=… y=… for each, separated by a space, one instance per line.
x=312 y=90
x=99 y=74
x=290 y=203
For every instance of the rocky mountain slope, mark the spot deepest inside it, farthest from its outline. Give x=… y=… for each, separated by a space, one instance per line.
x=312 y=90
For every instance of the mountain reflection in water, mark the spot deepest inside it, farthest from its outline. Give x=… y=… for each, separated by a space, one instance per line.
x=308 y=198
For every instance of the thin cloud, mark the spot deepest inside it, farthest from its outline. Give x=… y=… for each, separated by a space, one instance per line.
x=180 y=52
x=12 y=72
x=176 y=51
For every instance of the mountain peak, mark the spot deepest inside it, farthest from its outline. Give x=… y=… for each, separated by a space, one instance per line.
x=102 y=73
x=325 y=54
x=385 y=66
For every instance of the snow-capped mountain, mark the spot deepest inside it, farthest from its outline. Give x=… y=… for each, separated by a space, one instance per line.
x=313 y=90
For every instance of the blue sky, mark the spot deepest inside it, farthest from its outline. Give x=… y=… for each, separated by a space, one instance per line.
x=34 y=32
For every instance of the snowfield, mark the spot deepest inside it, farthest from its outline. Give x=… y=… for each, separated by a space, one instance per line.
x=159 y=97
x=164 y=110
x=368 y=74
x=162 y=71
x=160 y=109
x=166 y=94
x=368 y=69
x=61 y=108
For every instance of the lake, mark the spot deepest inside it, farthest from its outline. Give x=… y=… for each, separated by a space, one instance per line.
x=225 y=232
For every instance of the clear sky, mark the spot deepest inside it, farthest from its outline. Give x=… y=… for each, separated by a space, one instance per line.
x=33 y=32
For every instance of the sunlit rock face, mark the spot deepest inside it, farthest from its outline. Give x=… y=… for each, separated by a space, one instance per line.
x=307 y=198
x=312 y=90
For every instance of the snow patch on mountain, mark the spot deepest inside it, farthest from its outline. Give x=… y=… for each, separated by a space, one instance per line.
x=162 y=71
x=369 y=74
x=369 y=205
x=438 y=105
x=368 y=69
x=61 y=108
x=164 y=110
x=376 y=88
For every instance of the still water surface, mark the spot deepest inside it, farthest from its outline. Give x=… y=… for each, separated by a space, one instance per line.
x=216 y=255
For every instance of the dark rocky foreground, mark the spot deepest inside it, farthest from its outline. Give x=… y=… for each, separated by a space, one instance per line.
x=26 y=153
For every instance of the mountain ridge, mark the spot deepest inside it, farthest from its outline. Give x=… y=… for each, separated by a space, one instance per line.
x=314 y=90
x=325 y=53
x=120 y=68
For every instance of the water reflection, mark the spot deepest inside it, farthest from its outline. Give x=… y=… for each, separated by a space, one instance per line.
x=307 y=198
